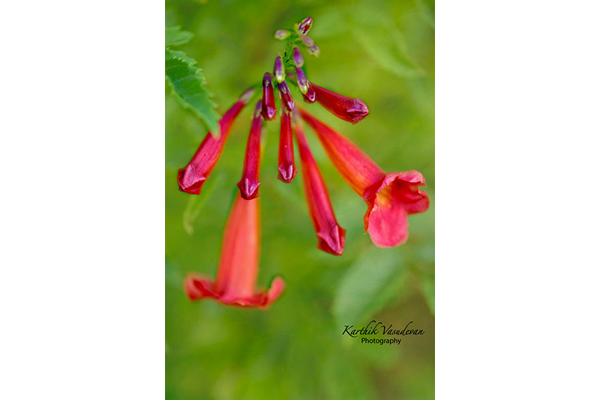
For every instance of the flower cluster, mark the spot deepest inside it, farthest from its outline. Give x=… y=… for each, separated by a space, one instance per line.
x=390 y=197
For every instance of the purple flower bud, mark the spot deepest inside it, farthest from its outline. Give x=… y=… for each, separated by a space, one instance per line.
x=307 y=41
x=302 y=81
x=281 y=34
x=246 y=96
x=314 y=50
x=298 y=60
x=268 y=100
x=305 y=25
x=286 y=96
x=278 y=70
x=310 y=96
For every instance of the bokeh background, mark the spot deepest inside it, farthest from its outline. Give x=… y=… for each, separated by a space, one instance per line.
x=383 y=53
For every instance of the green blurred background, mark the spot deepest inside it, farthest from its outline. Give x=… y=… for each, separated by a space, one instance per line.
x=383 y=53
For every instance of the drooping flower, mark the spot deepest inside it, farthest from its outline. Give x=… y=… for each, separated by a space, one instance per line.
x=390 y=197
x=191 y=178
x=250 y=175
x=286 y=165
x=330 y=235
x=346 y=108
x=268 y=99
x=238 y=267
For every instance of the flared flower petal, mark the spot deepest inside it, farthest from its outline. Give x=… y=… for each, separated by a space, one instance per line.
x=346 y=108
x=191 y=178
x=388 y=203
x=269 y=111
x=238 y=268
x=389 y=197
x=330 y=235
x=249 y=182
x=286 y=165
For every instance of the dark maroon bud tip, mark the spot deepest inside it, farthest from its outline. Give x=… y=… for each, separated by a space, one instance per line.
x=269 y=111
x=357 y=111
x=286 y=96
x=332 y=242
x=286 y=174
x=248 y=189
x=305 y=25
x=189 y=181
x=310 y=96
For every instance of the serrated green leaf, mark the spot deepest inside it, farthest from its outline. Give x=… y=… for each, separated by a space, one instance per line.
x=369 y=284
x=189 y=87
x=174 y=36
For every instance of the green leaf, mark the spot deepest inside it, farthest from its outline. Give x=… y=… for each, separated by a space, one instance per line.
x=375 y=279
x=189 y=87
x=196 y=203
x=174 y=36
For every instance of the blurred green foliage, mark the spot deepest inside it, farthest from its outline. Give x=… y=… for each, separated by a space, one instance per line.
x=383 y=53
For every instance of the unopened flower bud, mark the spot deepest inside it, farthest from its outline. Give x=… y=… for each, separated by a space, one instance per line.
x=310 y=96
x=305 y=25
x=286 y=96
x=307 y=41
x=268 y=99
x=250 y=181
x=278 y=70
x=282 y=34
x=298 y=60
x=302 y=81
x=314 y=50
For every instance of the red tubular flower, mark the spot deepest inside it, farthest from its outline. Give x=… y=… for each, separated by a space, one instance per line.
x=197 y=171
x=238 y=268
x=331 y=237
x=346 y=108
x=250 y=175
x=268 y=100
x=389 y=197
x=286 y=165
